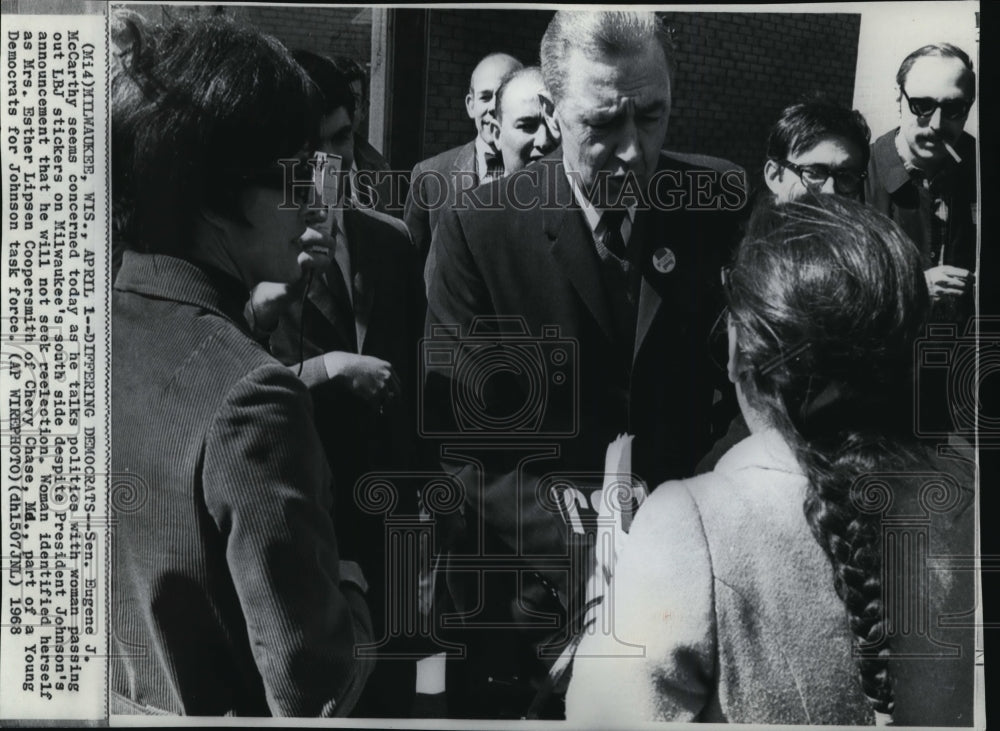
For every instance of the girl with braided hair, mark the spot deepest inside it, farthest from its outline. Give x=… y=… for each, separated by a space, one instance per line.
x=790 y=585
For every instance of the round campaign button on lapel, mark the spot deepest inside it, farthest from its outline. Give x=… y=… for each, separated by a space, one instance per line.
x=664 y=260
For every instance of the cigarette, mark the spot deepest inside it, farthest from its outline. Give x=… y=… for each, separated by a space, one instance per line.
x=951 y=151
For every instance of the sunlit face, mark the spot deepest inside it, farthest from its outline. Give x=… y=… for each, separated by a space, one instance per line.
x=521 y=134
x=480 y=102
x=613 y=115
x=836 y=154
x=941 y=79
x=336 y=136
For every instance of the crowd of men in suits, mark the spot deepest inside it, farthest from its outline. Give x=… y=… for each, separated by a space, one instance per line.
x=555 y=282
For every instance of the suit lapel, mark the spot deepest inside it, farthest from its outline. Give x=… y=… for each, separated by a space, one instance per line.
x=679 y=295
x=465 y=160
x=573 y=249
x=332 y=307
x=650 y=300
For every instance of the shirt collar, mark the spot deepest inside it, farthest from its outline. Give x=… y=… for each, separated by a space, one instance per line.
x=901 y=167
x=889 y=163
x=593 y=215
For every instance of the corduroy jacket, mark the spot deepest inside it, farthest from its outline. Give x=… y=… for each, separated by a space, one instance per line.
x=226 y=592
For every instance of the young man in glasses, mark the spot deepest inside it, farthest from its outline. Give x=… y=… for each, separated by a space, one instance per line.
x=817 y=146
x=923 y=173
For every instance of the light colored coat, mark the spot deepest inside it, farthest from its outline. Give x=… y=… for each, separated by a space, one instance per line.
x=728 y=603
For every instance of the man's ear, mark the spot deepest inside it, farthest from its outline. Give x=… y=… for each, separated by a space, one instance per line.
x=468 y=105
x=549 y=113
x=773 y=173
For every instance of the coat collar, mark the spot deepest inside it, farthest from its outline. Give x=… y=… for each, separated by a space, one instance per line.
x=765 y=449
x=170 y=278
x=465 y=159
x=891 y=173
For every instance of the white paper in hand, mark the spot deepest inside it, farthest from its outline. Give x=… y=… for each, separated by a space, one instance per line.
x=614 y=513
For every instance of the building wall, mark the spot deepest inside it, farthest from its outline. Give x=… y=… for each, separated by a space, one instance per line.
x=330 y=31
x=457 y=40
x=735 y=71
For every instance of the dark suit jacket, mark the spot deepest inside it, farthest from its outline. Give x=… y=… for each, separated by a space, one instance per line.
x=225 y=591
x=434 y=187
x=356 y=438
x=891 y=190
x=538 y=263
x=375 y=184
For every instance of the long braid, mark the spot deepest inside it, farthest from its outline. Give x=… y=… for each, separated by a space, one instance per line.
x=826 y=298
x=852 y=541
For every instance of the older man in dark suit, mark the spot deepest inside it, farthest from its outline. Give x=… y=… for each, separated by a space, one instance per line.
x=437 y=183
x=568 y=303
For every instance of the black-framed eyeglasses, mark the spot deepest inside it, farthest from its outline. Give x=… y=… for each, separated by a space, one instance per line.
x=925 y=106
x=845 y=180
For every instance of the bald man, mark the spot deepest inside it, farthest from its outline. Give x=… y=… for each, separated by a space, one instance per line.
x=521 y=132
x=435 y=183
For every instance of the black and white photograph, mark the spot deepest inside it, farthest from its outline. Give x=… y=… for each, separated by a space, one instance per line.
x=496 y=366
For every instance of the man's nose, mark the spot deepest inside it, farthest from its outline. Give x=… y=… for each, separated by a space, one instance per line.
x=544 y=140
x=935 y=120
x=628 y=145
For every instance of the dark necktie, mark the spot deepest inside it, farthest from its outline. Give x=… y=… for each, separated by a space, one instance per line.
x=613 y=240
x=494 y=166
x=338 y=287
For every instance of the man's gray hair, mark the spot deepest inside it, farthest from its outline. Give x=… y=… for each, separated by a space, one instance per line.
x=527 y=71
x=598 y=34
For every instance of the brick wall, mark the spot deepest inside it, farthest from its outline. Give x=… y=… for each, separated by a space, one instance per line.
x=736 y=71
x=458 y=39
x=330 y=31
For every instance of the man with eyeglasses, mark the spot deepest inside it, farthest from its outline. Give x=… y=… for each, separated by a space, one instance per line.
x=817 y=146
x=923 y=173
